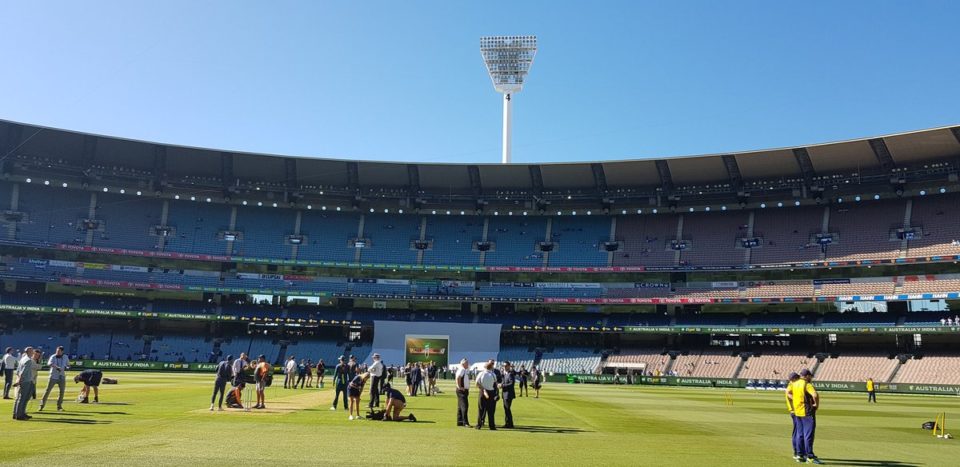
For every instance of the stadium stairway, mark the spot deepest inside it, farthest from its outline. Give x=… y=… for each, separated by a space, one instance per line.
x=736 y=373
x=896 y=369
x=670 y=362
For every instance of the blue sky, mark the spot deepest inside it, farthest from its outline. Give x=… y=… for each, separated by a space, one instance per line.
x=403 y=80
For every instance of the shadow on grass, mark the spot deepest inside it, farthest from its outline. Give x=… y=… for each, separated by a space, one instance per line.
x=547 y=429
x=868 y=462
x=72 y=421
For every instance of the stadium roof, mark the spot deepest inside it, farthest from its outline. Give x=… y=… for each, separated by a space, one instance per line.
x=878 y=156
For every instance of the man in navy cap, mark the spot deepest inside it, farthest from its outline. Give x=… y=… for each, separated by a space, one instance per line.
x=224 y=375
x=796 y=438
x=805 y=401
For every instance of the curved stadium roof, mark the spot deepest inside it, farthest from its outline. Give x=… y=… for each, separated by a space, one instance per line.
x=877 y=156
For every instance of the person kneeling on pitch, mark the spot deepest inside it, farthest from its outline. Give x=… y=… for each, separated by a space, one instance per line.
x=395 y=403
x=90 y=379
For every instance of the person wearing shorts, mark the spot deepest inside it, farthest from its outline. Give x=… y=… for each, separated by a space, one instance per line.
x=260 y=374
x=395 y=403
x=536 y=380
x=90 y=379
x=321 y=368
x=354 y=390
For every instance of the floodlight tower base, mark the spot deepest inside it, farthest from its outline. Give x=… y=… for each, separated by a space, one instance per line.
x=507 y=111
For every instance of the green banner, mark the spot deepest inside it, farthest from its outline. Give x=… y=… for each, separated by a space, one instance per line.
x=847 y=386
x=853 y=329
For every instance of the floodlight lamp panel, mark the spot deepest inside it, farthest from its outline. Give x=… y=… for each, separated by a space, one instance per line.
x=508 y=60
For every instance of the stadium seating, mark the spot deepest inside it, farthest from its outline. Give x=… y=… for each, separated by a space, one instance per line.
x=652 y=361
x=643 y=240
x=519 y=356
x=196 y=226
x=115 y=345
x=128 y=222
x=570 y=360
x=53 y=215
x=390 y=236
x=774 y=366
x=786 y=235
x=265 y=232
x=327 y=235
x=453 y=238
x=578 y=239
x=713 y=238
x=515 y=240
x=176 y=348
x=707 y=364
x=46 y=340
x=931 y=369
x=315 y=350
x=933 y=216
x=864 y=230
x=857 y=367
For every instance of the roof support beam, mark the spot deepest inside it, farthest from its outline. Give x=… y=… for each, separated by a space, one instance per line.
x=666 y=179
x=413 y=179
x=11 y=141
x=475 y=183
x=599 y=178
x=733 y=171
x=353 y=177
x=536 y=179
x=806 y=165
x=290 y=174
x=226 y=170
x=159 y=166
x=883 y=154
x=89 y=151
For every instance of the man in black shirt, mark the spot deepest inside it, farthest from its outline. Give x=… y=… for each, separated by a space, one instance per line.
x=341 y=377
x=417 y=377
x=431 y=379
x=90 y=379
x=224 y=375
x=522 y=375
x=507 y=385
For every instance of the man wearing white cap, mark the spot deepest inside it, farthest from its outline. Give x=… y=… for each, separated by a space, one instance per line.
x=376 y=372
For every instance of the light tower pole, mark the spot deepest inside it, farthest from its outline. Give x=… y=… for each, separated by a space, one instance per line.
x=508 y=60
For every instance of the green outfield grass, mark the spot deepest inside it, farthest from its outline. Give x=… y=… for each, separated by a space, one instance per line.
x=162 y=419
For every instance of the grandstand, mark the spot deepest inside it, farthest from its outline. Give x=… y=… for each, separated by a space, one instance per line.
x=675 y=267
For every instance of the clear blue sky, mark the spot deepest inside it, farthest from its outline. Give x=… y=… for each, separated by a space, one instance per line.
x=403 y=80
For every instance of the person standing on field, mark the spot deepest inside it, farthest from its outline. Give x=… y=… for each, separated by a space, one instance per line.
x=9 y=365
x=59 y=364
x=224 y=375
x=463 y=393
x=24 y=384
x=871 y=391
x=289 y=373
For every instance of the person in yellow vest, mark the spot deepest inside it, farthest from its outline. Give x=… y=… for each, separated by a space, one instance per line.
x=805 y=400
x=796 y=438
x=871 y=391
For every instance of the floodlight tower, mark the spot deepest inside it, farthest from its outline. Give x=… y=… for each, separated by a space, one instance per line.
x=508 y=60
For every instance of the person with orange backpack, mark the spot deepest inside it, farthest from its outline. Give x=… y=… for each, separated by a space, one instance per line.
x=263 y=374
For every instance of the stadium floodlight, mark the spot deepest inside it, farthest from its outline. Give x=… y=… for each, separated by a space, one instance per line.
x=508 y=60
